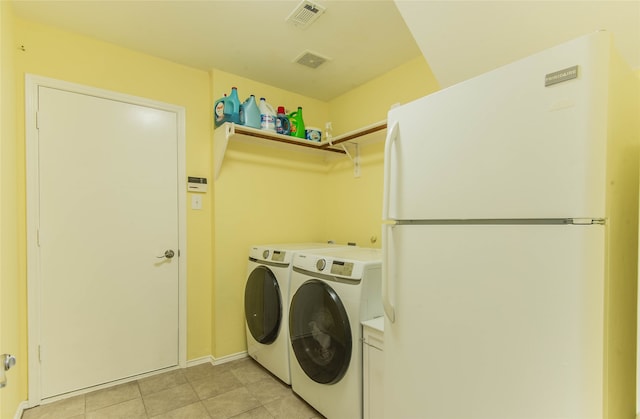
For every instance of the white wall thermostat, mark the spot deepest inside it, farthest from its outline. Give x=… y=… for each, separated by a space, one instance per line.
x=197 y=184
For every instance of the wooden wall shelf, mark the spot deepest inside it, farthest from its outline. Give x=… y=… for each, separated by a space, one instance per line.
x=228 y=131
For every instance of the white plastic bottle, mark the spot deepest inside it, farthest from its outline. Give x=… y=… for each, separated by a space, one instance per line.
x=267 y=116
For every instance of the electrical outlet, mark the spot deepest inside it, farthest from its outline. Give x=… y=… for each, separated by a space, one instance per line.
x=196 y=202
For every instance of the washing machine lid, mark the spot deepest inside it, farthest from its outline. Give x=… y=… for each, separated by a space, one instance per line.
x=320 y=332
x=263 y=305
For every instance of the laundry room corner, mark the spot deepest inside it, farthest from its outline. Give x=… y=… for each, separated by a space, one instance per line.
x=262 y=194
x=267 y=194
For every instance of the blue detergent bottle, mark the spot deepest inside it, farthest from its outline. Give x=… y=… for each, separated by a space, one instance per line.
x=251 y=112
x=227 y=109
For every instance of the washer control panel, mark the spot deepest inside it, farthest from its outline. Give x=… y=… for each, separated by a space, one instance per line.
x=270 y=254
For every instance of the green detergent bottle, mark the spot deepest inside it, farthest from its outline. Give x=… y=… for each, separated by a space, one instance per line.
x=297 y=124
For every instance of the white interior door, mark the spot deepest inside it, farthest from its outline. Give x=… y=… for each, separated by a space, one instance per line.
x=108 y=212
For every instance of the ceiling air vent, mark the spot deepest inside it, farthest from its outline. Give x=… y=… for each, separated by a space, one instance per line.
x=305 y=13
x=311 y=59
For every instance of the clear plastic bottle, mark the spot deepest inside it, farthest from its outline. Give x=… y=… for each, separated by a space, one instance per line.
x=328 y=131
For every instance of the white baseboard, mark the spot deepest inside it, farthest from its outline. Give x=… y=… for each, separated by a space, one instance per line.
x=198 y=361
x=229 y=358
x=209 y=359
x=21 y=408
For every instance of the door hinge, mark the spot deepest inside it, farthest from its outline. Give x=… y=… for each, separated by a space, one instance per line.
x=39 y=353
x=37 y=120
x=38 y=237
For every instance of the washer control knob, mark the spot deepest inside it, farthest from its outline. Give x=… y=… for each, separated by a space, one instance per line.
x=265 y=254
x=321 y=264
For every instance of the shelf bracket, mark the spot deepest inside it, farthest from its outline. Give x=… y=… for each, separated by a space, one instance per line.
x=355 y=159
x=221 y=139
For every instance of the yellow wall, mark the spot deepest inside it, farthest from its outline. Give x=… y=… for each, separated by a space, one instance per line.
x=371 y=101
x=71 y=57
x=254 y=204
x=622 y=208
x=12 y=320
x=364 y=105
x=264 y=194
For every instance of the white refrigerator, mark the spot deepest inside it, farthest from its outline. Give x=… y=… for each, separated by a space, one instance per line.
x=510 y=242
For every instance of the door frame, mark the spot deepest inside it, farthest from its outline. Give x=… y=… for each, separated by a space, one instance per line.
x=32 y=83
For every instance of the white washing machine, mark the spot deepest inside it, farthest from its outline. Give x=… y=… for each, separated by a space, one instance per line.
x=332 y=292
x=266 y=304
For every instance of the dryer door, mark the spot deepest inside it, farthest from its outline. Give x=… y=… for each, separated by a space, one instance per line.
x=263 y=305
x=320 y=332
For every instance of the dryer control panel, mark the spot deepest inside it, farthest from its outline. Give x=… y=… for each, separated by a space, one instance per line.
x=341 y=268
x=329 y=265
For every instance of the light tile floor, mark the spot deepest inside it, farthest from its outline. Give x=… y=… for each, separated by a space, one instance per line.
x=240 y=389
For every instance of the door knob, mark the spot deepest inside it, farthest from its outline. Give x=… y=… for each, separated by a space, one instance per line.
x=168 y=254
x=7 y=361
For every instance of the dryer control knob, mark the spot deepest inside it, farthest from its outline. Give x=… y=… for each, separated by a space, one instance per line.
x=265 y=254
x=321 y=264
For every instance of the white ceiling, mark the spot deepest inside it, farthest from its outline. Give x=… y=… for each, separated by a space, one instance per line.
x=249 y=38
x=362 y=38
x=462 y=39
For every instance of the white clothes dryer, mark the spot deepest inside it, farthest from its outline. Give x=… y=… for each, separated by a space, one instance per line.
x=332 y=292
x=266 y=304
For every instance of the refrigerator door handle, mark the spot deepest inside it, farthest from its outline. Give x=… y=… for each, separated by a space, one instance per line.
x=392 y=135
x=388 y=270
